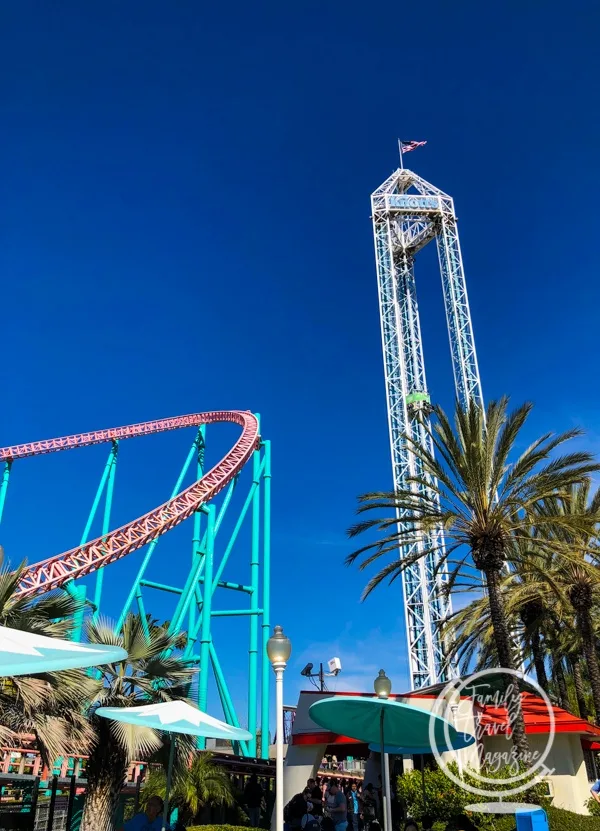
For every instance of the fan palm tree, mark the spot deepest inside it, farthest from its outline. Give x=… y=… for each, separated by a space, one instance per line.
x=48 y=705
x=151 y=674
x=195 y=786
x=481 y=499
x=572 y=580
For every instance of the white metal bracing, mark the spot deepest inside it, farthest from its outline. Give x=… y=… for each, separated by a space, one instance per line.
x=408 y=213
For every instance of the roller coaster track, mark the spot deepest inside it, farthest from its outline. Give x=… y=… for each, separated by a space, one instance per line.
x=55 y=571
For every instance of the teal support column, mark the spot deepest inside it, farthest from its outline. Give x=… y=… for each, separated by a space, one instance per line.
x=4 y=486
x=148 y=555
x=254 y=579
x=225 y=696
x=197 y=522
x=142 y=613
x=78 y=593
x=92 y=515
x=234 y=533
x=110 y=486
x=266 y=605
x=205 y=634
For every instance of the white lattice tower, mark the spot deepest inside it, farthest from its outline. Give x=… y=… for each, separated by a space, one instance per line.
x=408 y=213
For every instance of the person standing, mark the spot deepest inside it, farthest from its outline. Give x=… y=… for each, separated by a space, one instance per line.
x=316 y=797
x=353 y=807
x=369 y=805
x=337 y=807
x=253 y=797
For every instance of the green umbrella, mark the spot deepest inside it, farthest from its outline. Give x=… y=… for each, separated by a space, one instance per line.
x=388 y=724
x=404 y=726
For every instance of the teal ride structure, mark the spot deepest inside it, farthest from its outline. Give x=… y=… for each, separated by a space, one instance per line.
x=239 y=519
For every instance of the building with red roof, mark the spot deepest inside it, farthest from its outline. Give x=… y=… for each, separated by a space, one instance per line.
x=568 y=742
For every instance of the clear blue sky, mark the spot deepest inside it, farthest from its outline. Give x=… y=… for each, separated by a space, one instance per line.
x=185 y=226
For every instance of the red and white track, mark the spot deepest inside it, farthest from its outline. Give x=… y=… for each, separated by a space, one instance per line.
x=51 y=573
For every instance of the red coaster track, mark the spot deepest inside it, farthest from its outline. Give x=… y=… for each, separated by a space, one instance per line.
x=53 y=572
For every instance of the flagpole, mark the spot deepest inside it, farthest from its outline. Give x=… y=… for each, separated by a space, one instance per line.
x=400 y=154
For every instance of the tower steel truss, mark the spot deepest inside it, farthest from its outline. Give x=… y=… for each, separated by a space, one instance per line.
x=408 y=213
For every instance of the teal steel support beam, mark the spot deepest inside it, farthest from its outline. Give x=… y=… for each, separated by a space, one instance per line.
x=254 y=578
x=225 y=584
x=225 y=696
x=103 y=480
x=110 y=486
x=78 y=593
x=236 y=612
x=266 y=603
x=133 y=594
x=150 y=584
x=205 y=634
x=142 y=613
x=235 y=532
x=4 y=485
x=197 y=530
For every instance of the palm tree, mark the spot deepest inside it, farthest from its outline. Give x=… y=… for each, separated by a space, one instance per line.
x=481 y=499
x=151 y=673
x=48 y=705
x=195 y=786
x=572 y=581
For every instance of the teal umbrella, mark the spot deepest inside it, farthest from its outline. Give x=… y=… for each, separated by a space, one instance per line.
x=387 y=724
x=404 y=726
x=27 y=653
x=175 y=717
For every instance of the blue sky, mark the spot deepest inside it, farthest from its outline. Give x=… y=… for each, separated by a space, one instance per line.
x=185 y=226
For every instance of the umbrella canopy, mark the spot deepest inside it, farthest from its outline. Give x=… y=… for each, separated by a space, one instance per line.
x=461 y=742
x=405 y=726
x=25 y=653
x=175 y=717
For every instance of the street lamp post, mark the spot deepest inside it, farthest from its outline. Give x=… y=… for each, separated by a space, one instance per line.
x=383 y=687
x=279 y=650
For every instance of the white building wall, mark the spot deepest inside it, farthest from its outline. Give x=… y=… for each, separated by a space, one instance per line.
x=568 y=783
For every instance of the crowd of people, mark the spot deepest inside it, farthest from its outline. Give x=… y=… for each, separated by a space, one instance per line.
x=342 y=805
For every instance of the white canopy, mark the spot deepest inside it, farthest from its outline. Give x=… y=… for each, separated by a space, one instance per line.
x=176 y=717
x=25 y=653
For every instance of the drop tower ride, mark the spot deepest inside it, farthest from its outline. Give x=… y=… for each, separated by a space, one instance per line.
x=408 y=213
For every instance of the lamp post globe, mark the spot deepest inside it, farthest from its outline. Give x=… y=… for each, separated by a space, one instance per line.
x=382 y=685
x=279 y=647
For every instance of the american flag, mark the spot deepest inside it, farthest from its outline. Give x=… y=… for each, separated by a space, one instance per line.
x=407 y=146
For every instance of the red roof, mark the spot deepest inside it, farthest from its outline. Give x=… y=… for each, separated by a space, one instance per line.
x=494 y=720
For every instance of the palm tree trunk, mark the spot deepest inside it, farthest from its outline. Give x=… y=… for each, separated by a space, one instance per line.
x=530 y=613
x=106 y=770
x=99 y=807
x=504 y=649
x=538 y=661
x=591 y=656
x=561 y=684
x=579 y=688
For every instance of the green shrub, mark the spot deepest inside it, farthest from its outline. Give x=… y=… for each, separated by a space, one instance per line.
x=446 y=799
x=560 y=820
x=217 y=828
x=593 y=807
